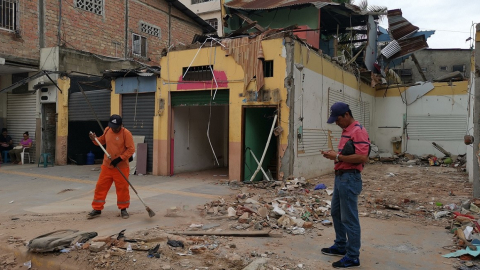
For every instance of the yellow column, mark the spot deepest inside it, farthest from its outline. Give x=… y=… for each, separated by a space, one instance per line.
x=115 y=101
x=62 y=121
x=161 y=138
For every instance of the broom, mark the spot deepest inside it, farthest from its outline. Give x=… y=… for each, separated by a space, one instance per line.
x=150 y=211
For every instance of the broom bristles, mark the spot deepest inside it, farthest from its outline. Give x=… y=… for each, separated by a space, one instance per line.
x=150 y=211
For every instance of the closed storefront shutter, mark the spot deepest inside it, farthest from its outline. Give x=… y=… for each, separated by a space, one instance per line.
x=137 y=113
x=78 y=109
x=21 y=117
x=436 y=127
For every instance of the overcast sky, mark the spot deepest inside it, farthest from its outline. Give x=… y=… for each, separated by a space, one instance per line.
x=451 y=19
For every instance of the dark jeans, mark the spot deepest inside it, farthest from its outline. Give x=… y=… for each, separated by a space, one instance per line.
x=345 y=213
x=4 y=149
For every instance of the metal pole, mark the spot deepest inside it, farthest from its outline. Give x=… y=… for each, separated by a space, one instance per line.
x=476 y=120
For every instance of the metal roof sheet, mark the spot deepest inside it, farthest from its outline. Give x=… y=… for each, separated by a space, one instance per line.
x=411 y=45
x=273 y=4
x=398 y=26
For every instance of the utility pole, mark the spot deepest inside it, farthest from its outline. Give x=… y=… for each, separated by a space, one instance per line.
x=476 y=117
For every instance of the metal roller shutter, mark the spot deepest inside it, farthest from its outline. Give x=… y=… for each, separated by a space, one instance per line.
x=78 y=109
x=137 y=113
x=436 y=127
x=21 y=117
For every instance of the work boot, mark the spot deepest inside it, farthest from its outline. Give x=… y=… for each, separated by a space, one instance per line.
x=124 y=213
x=346 y=262
x=94 y=213
x=333 y=251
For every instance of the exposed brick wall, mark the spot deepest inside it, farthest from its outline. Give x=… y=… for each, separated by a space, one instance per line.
x=156 y=13
x=24 y=45
x=99 y=34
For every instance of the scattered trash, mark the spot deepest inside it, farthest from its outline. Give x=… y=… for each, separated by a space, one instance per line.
x=65 y=250
x=11 y=201
x=326 y=222
x=320 y=186
x=440 y=214
x=129 y=248
x=28 y=264
x=175 y=243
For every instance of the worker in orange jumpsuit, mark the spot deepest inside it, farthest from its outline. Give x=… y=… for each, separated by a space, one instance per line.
x=120 y=146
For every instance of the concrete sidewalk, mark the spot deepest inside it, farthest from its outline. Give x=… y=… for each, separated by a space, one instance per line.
x=27 y=189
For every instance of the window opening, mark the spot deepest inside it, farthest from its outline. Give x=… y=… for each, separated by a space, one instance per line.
x=200 y=1
x=268 y=68
x=150 y=29
x=213 y=23
x=460 y=68
x=199 y=73
x=8 y=15
x=444 y=68
x=139 y=45
x=94 y=6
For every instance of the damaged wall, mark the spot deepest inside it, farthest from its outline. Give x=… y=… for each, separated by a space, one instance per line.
x=312 y=84
x=439 y=116
x=230 y=76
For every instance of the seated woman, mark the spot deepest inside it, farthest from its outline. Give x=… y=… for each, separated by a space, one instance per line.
x=16 y=153
x=6 y=142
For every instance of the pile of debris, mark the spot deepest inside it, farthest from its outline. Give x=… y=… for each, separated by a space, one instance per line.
x=291 y=205
x=464 y=225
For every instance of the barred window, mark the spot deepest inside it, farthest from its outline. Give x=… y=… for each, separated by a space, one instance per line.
x=8 y=14
x=95 y=6
x=200 y=1
x=213 y=23
x=150 y=29
x=139 y=45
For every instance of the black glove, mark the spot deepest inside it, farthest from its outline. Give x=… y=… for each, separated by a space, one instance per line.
x=115 y=162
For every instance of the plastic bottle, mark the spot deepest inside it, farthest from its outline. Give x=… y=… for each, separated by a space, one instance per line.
x=90 y=158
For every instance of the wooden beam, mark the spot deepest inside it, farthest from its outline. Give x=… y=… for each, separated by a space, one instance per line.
x=225 y=233
x=414 y=58
x=242 y=29
x=248 y=20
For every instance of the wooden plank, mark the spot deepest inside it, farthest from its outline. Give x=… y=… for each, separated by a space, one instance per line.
x=142 y=158
x=248 y=20
x=414 y=58
x=225 y=233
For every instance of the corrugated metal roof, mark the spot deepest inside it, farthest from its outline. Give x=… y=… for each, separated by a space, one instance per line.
x=411 y=45
x=273 y=4
x=398 y=26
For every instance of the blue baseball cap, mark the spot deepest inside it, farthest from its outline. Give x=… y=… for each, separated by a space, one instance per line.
x=337 y=109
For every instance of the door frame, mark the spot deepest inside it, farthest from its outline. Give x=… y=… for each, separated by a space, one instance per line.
x=242 y=166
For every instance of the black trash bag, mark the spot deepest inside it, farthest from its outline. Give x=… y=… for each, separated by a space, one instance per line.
x=175 y=243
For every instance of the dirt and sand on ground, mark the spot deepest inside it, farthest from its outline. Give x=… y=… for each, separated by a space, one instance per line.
x=398 y=199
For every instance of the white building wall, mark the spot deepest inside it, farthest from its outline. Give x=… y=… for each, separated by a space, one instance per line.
x=207 y=10
x=470 y=155
x=389 y=122
x=315 y=103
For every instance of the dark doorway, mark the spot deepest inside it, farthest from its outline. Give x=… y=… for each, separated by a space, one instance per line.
x=257 y=126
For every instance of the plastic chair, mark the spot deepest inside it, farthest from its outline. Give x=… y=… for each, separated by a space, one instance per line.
x=26 y=153
x=46 y=157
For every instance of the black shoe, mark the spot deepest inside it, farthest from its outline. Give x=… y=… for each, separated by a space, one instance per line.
x=94 y=214
x=346 y=262
x=124 y=213
x=333 y=251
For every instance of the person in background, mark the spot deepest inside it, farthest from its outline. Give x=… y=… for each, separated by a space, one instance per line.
x=353 y=151
x=16 y=153
x=6 y=142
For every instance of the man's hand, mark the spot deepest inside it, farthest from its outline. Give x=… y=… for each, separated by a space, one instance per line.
x=332 y=155
x=92 y=136
x=115 y=162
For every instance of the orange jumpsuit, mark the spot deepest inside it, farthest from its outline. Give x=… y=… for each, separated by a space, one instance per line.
x=118 y=145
